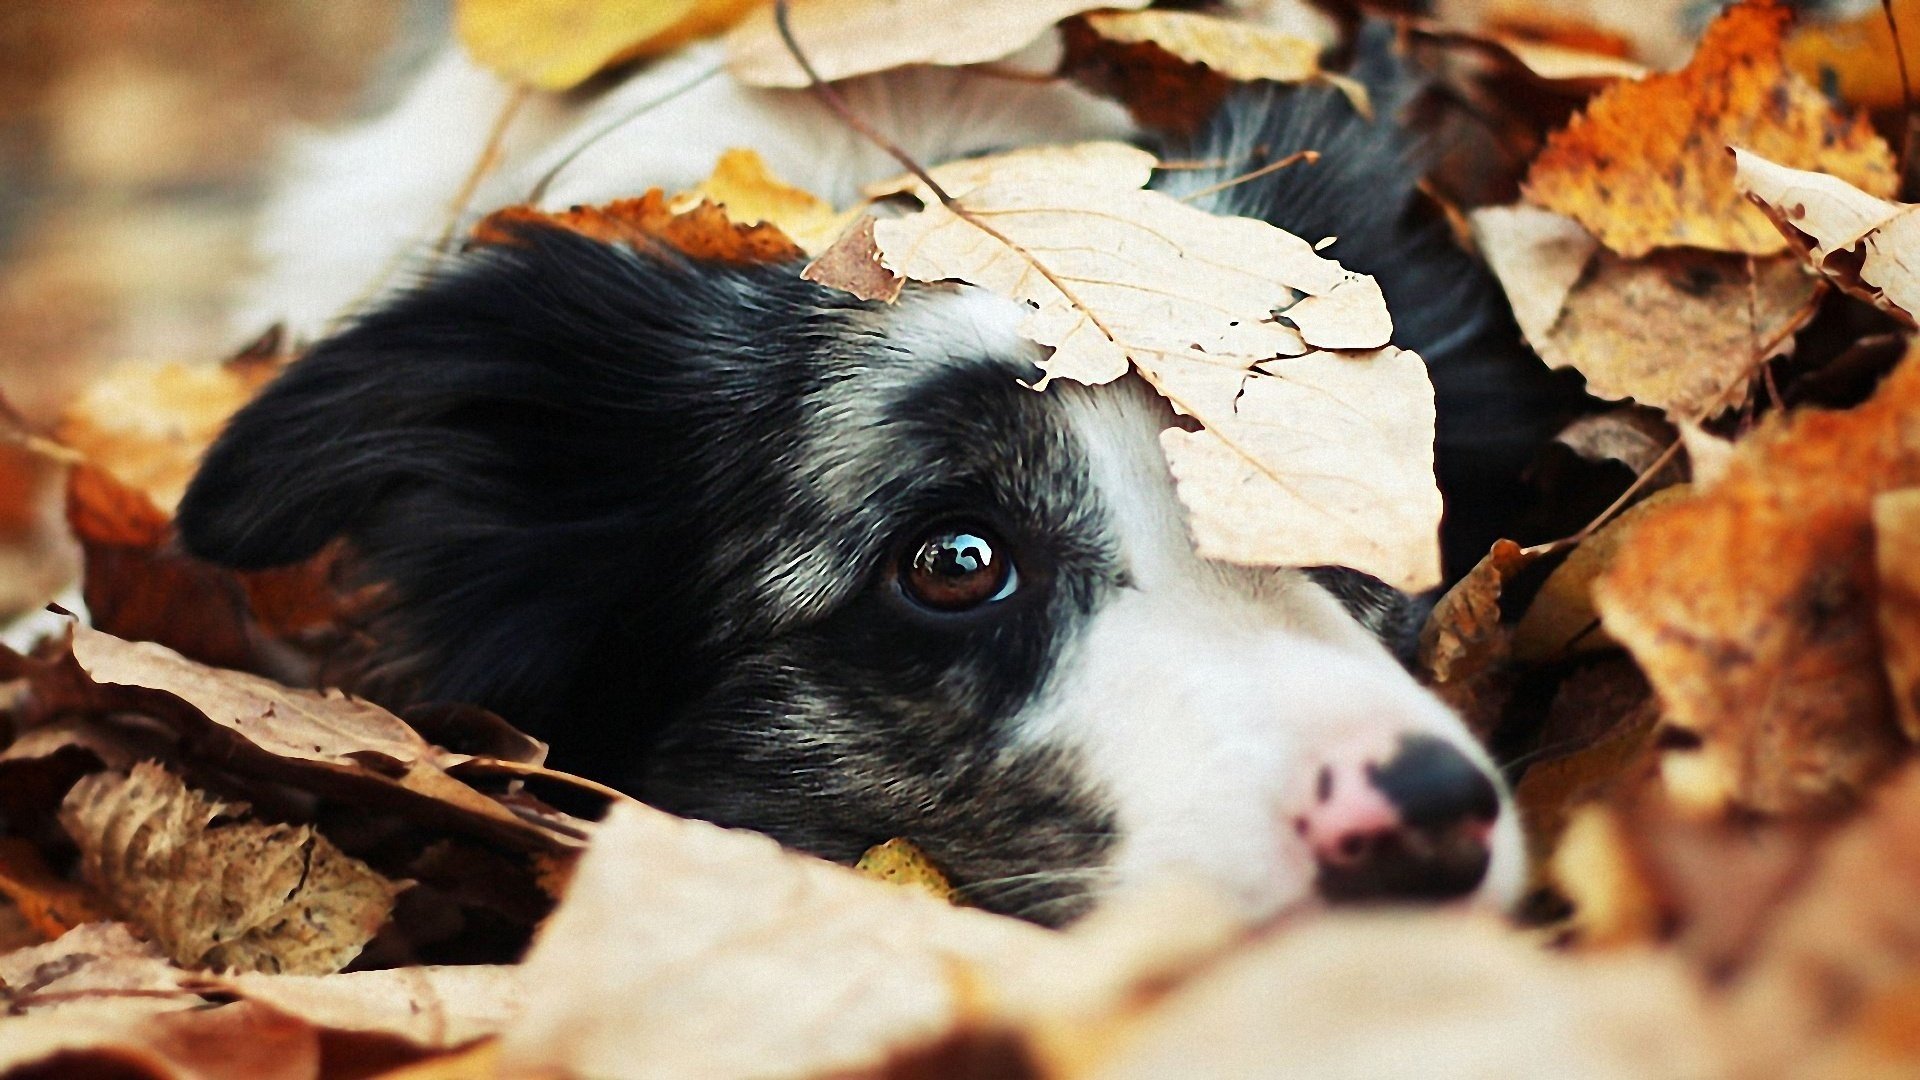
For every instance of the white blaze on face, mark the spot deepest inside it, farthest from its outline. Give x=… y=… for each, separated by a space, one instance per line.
x=1204 y=698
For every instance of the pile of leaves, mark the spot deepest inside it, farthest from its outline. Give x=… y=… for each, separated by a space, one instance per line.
x=1703 y=660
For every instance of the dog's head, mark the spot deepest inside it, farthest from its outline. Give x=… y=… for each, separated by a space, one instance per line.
x=772 y=556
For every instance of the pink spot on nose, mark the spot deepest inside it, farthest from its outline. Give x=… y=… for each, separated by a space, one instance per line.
x=1348 y=815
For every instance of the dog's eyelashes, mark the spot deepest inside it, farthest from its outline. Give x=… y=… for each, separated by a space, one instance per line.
x=958 y=568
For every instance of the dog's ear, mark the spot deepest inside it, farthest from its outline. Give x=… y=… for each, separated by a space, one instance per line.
x=516 y=447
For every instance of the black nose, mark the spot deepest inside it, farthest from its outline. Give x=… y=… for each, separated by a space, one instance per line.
x=1437 y=850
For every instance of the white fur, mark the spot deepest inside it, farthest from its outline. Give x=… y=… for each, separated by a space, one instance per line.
x=1204 y=698
x=359 y=207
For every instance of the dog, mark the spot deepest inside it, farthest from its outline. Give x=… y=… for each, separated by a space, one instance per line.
x=764 y=554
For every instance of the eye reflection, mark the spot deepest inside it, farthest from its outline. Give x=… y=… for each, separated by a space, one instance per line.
x=956 y=569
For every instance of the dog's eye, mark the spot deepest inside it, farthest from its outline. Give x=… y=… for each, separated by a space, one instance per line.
x=954 y=569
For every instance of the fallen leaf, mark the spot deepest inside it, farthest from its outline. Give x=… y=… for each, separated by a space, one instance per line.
x=90 y=964
x=1831 y=991
x=215 y=890
x=852 y=264
x=1682 y=331
x=715 y=925
x=843 y=38
x=701 y=230
x=51 y=903
x=1645 y=166
x=147 y=424
x=1856 y=57
x=1173 y=68
x=1538 y=256
x=1552 y=791
x=1463 y=643
x=1306 y=456
x=1751 y=608
x=901 y=862
x=1561 y=620
x=559 y=44
x=1856 y=240
x=1403 y=995
x=432 y=1008
x=1636 y=438
x=324 y=738
x=1560 y=63
x=241 y=1041
x=1896 y=555
x=742 y=186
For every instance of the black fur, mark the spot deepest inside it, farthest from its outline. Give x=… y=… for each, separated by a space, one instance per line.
x=611 y=491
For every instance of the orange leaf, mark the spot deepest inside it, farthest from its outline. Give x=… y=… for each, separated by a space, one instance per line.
x=703 y=230
x=1646 y=166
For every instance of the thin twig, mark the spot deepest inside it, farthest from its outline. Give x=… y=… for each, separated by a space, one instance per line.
x=482 y=165
x=540 y=186
x=832 y=99
x=1906 y=102
x=1712 y=408
x=1308 y=156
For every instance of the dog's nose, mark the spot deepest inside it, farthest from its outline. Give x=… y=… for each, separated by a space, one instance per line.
x=1414 y=826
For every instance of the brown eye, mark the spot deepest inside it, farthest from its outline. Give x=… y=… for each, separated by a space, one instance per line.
x=957 y=569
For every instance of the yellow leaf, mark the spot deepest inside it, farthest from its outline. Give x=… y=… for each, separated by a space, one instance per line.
x=558 y=44
x=901 y=862
x=751 y=195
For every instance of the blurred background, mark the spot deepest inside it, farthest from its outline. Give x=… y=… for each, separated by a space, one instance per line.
x=136 y=139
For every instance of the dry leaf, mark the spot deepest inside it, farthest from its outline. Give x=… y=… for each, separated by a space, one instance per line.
x=559 y=44
x=50 y=903
x=842 y=38
x=148 y=424
x=1633 y=437
x=1173 y=68
x=221 y=893
x=1896 y=555
x=96 y=962
x=1538 y=256
x=1681 y=331
x=1832 y=991
x=1463 y=643
x=852 y=264
x=701 y=230
x=242 y=1041
x=1857 y=57
x=1401 y=995
x=1751 y=608
x=1306 y=457
x=1645 y=166
x=1561 y=620
x=328 y=742
x=1858 y=241
x=714 y=926
x=749 y=194
x=430 y=1007
x=901 y=862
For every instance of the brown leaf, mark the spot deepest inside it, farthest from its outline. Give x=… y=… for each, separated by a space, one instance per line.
x=1636 y=438
x=324 y=739
x=1403 y=995
x=1645 y=166
x=1896 y=555
x=241 y=1041
x=702 y=230
x=842 y=38
x=742 y=186
x=1173 y=68
x=1463 y=643
x=1680 y=331
x=1832 y=991
x=715 y=926
x=852 y=264
x=148 y=424
x=1859 y=242
x=1751 y=607
x=97 y=963
x=52 y=904
x=1306 y=456
x=217 y=892
x=1561 y=619
x=430 y=1007
x=1538 y=256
